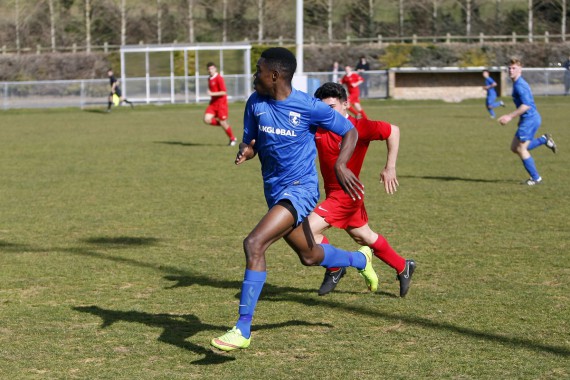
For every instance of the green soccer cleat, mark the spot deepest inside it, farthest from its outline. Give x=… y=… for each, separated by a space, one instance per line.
x=368 y=273
x=232 y=340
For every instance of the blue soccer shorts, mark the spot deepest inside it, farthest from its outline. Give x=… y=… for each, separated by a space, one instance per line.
x=527 y=128
x=303 y=198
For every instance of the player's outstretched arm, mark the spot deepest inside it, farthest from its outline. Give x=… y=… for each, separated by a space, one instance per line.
x=246 y=152
x=346 y=178
x=388 y=174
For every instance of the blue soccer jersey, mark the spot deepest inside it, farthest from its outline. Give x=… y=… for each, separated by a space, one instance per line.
x=491 y=93
x=522 y=94
x=284 y=133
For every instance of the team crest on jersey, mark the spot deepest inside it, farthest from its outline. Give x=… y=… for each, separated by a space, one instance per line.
x=294 y=118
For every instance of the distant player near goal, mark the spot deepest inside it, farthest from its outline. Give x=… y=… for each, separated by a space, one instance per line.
x=115 y=91
x=338 y=209
x=217 y=111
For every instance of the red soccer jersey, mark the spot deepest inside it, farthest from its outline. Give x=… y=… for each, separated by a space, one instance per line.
x=350 y=80
x=216 y=84
x=328 y=147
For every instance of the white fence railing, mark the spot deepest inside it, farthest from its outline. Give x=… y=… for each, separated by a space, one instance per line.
x=85 y=93
x=185 y=90
x=480 y=38
x=160 y=90
x=544 y=81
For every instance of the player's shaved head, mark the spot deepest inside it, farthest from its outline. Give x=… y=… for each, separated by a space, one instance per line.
x=282 y=60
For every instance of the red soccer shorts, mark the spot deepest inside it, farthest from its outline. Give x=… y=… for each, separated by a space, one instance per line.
x=219 y=110
x=340 y=211
x=354 y=97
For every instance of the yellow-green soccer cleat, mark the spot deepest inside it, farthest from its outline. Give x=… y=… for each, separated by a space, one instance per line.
x=232 y=340
x=368 y=272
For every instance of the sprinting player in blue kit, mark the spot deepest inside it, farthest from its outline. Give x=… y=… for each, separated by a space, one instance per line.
x=279 y=126
x=491 y=100
x=529 y=122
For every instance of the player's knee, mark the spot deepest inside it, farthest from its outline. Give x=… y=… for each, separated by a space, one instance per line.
x=309 y=261
x=517 y=148
x=208 y=118
x=360 y=240
x=253 y=246
x=310 y=258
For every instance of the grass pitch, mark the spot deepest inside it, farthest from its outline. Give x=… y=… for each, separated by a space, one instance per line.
x=120 y=253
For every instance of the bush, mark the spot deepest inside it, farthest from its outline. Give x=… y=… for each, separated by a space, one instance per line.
x=317 y=58
x=397 y=55
x=474 y=57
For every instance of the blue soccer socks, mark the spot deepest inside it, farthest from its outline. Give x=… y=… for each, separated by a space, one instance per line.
x=537 y=142
x=336 y=257
x=530 y=167
x=490 y=107
x=253 y=282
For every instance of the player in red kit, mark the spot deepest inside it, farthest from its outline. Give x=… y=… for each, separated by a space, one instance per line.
x=217 y=111
x=352 y=81
x=339 y=209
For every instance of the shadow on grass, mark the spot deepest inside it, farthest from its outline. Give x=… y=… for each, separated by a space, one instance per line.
x=18 y=248
x=101 y=241
x=5 y=244
x=268 y=289
x=272 y=293
x=121 y=241
x=181 y=143
x=178 y=328
x=96 y=110
x=447 y=178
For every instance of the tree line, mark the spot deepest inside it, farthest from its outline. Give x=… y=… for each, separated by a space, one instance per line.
x=58 y=24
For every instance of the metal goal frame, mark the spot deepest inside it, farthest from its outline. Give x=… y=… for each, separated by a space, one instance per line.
x=185 y=48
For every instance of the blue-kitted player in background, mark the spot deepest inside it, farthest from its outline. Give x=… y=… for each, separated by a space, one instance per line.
x=280 y=123
x=491 y=100
x=529 y=122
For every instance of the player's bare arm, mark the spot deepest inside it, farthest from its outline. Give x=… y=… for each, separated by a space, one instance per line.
x=505 y=119
x=216 y=93
x=246 y=152
x=388 y=174
x=346 y=178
